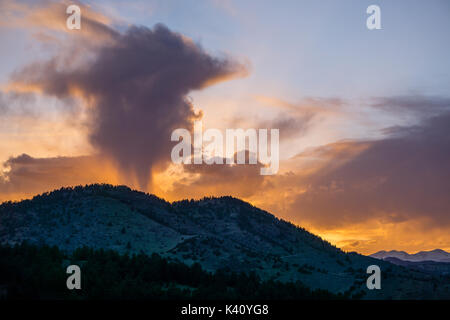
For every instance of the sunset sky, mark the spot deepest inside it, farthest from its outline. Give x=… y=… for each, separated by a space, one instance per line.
x=364 y=115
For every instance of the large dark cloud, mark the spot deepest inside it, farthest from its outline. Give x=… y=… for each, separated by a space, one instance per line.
x=137 y=87
x=404 y=176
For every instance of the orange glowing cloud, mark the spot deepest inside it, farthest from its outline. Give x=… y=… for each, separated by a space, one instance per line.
x=25 y=176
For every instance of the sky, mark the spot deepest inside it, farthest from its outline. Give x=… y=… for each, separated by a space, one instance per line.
x=364 y=115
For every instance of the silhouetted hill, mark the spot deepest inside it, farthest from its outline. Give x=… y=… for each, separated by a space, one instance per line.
x=218 y=233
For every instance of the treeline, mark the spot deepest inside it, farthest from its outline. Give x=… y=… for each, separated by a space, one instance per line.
x=39 y=272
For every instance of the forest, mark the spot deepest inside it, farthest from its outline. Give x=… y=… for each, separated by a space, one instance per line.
x=39 y=273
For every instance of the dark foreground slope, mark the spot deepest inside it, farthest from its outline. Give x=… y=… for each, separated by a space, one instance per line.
x=217 y=233
x=38 y=272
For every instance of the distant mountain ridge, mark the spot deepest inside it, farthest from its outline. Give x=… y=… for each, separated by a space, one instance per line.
x=436 y=255
x=432 y=267
x=218 y=233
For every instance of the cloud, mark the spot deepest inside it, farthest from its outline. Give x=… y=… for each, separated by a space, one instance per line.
x=413 y=105
x=199 y=180
x=402 y=177
x=24 y=175
x=16 y=103
x=136 y=89
x=294 y=120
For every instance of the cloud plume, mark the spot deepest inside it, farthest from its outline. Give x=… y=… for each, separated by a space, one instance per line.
x=136 y=88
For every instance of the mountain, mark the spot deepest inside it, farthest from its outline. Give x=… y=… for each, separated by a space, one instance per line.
x=432 y=267
x=218 y=233
x=436 y=255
